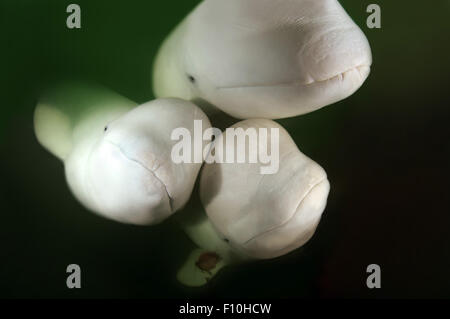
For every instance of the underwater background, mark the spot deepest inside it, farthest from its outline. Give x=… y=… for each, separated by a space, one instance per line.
x=386 y=150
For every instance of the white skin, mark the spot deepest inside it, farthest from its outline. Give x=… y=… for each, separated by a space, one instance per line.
x=251 y=216
x=264 y=58
x=117 y=156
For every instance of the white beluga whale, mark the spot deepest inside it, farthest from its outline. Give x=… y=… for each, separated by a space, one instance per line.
x=265 y=215
x=117 y=155
x=263 y=58
x=252 y=216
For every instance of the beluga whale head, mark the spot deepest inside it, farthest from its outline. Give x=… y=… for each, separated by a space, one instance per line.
x=264 y=58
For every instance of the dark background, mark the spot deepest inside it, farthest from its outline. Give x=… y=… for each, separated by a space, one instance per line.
x=385 y=149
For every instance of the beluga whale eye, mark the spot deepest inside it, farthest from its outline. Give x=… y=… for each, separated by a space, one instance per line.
x=191 y=79
x=106 y=128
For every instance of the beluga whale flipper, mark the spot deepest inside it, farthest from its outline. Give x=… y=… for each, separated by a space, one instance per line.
x=264 y=58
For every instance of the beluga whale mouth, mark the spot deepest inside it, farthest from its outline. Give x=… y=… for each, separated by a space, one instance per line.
x=363 y=70
x=264 y=58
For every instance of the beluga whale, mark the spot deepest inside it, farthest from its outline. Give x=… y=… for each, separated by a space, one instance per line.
x=116 y=154
x=263 y=58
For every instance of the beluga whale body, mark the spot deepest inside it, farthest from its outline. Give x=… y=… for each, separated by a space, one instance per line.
x=247 y=216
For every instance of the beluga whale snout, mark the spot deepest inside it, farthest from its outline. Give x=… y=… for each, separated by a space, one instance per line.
x=264 y=58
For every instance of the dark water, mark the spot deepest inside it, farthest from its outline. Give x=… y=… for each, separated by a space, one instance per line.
x=386 y=151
